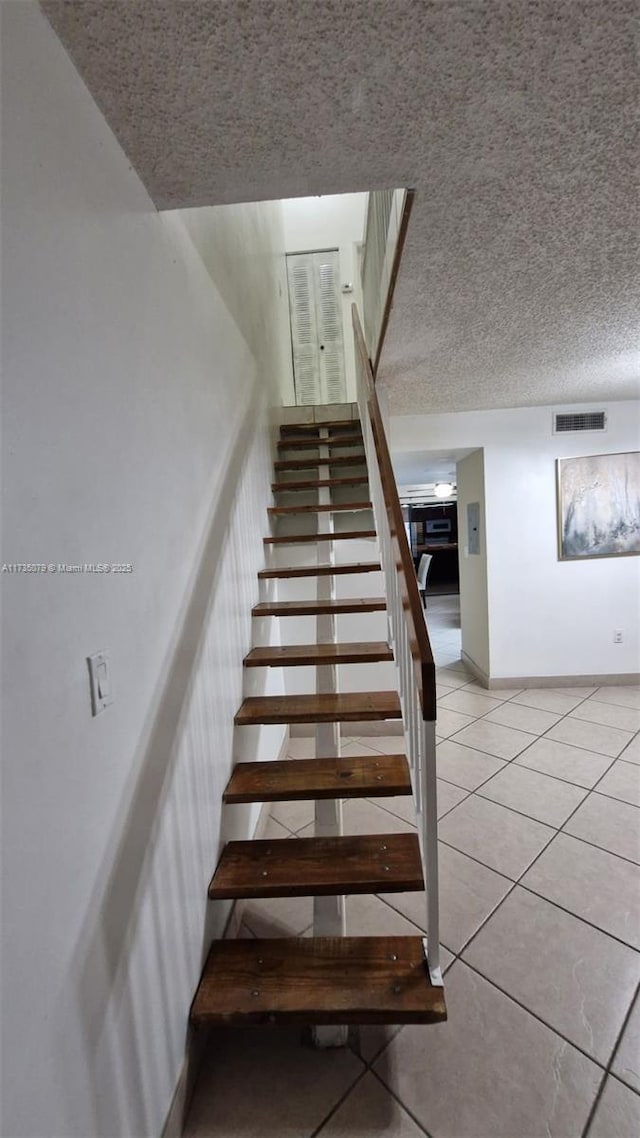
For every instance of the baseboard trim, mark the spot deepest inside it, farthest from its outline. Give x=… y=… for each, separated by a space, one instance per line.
x=590 y=680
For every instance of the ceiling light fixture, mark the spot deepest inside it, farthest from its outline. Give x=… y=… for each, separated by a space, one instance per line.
x=443 y=489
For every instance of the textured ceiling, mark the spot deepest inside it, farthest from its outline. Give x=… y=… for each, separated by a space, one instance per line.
x=513 y=119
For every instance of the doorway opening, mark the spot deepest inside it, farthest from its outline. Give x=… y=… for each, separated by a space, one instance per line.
x=433 y=530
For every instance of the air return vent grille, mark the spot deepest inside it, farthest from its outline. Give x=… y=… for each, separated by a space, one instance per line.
x=582 y=421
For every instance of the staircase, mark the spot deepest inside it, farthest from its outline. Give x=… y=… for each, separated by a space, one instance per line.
x=330 y=978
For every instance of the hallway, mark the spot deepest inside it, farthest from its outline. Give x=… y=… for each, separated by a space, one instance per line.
x=539 y=796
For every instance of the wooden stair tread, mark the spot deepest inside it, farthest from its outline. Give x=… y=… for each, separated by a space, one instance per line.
x=313 y=444
x=308 y=463
x=320 y=570
x=323 y=980
x=289 y=655
x=298 y=538
x=298 y=780
x=318 y=867
x=319 y=483
x=315 y=508
x=326 y=707
x=318 y=608
x=324 y=424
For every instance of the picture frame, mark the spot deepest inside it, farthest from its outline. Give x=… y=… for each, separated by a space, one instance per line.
x=598 y=506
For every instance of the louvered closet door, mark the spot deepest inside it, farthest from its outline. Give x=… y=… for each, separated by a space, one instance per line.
x=316 y=327
x=329 y=319
x=304 y=332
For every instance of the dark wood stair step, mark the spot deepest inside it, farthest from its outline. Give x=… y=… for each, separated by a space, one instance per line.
x=327 y=707
x=298 y=538
x=318 y=483
x=304 y=780
x=324 y=424
x=320 y=570
x=318 y=867
x=313 y=444
x=319 y=608
x=323 y=980
x=313 y=508
x=291 y=655
x=309 y=463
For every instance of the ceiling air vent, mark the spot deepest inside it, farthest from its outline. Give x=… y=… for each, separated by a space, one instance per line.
x=582 y=421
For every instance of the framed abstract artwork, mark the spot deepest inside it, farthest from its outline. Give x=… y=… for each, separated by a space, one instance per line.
x=598 y=506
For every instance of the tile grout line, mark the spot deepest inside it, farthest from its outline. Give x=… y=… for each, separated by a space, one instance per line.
x=535 y=1015
x=392 y=813
x=459 y=956
x=508 y=763
x=445 y=813
x=594 y=788
x=559 y=829
x=512 y=883
x=517 y=756
x=419 y=931
x=608 y=1073
x=586 y=842
x=529 y=889
x=517 y=883
x=395 y=1096
x=605 y=1068
x=614 y=1053
x=383 y=1046
x=360 y=1076
x=569 y=913
x=535 y=738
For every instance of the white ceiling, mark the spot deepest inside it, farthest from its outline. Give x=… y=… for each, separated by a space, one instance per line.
x=513 y=119
x=412 y=468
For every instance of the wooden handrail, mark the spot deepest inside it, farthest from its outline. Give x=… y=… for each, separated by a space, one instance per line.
x=423 y=663
x=395 y=268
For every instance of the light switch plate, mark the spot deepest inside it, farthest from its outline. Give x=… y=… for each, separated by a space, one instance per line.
x=100 y=681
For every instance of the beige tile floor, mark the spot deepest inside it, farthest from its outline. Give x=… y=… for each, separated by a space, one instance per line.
x=539 y=796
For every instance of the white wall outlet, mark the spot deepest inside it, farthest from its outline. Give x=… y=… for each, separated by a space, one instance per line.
x=617 y=636
x=100 y=682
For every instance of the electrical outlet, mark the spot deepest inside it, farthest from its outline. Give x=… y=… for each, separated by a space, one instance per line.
x=617 y=636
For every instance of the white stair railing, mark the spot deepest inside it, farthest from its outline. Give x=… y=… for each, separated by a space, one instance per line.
x=408 y=636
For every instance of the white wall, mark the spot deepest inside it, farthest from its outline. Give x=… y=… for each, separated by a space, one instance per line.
x=473 y=566
x=236 y=243
x=546 y=617
x=332 y=222
x=136 y=430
